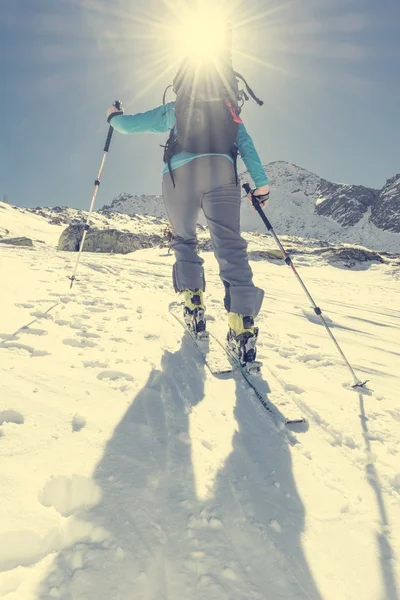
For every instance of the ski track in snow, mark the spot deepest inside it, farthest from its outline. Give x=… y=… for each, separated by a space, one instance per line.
x=129 y=471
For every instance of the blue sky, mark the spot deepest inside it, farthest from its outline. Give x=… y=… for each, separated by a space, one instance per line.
x=328 y=71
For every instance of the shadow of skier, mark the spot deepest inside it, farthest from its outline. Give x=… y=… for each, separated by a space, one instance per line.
x=386 y=553
x=151 y=538
x=263 y=512
x=132 y=548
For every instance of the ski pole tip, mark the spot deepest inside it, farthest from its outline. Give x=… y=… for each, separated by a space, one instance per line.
x=360 y=384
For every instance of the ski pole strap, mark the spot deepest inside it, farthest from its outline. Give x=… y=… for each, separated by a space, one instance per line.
x=256 y=203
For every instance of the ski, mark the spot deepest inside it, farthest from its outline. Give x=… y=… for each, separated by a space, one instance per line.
x=221 y=360
x=216 y=361
x=250 y=375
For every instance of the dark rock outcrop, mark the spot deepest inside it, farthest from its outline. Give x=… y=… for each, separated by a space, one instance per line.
x=346 y=204
x=351 y=257
x=386 y=211
x=18 y=241
x=106 y=240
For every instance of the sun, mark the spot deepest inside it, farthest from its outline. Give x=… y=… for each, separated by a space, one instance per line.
x=202 y=35
x=145 y=49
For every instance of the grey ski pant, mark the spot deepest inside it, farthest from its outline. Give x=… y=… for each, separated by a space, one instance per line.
x=208 y=183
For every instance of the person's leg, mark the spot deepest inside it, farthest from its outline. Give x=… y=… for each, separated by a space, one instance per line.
x=182 y=204
x=221 y=206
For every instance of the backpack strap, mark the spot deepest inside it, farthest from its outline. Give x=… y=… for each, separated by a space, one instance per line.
x=234 y=155
x=165 y=94
x=252 y=94
x=171 y=147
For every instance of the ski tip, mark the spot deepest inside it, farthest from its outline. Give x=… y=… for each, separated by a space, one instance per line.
x=297 y=425
x=360 y=384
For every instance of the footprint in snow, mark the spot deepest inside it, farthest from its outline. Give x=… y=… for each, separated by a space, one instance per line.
x=308 y=357
x=79 y=343
x=7 y=336
x=24 y=305
x=17 y=346
x=114 y=375
x=38 y=314
x=62 y=322
x=11 y=416
x=94 y=364
x=204 y=520
x=77 y=325
x=30 y=331
x=87 y=334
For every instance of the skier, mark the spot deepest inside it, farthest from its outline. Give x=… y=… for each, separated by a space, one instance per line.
x=206 y=135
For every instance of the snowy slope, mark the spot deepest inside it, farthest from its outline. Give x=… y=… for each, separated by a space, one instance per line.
x=128 y=471
x=15 y=221
x=131 y=204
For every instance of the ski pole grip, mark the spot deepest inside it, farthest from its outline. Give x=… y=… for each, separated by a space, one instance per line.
x=254 y=200
x=108 y=140
x=118 y=106
x=257 y=206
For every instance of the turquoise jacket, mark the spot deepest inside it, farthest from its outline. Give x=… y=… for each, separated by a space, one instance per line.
x=162 y=119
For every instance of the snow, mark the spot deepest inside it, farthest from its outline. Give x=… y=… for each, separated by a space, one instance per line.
x=128 y=471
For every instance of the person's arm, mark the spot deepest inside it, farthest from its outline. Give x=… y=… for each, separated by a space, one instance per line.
x=158 y=120
x=250 y=157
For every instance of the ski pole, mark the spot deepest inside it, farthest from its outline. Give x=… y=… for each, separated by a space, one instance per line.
x=86 y=228
x=288 y=261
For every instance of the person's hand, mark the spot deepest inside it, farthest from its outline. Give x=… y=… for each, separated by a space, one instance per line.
x=262 y=195
x=113 y=111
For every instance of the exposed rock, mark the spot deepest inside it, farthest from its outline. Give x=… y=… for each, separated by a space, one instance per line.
x=351 y=257
x=18 y=241
x=346 y=204
x=386 y=212
x=106 y=240
x=56 y=221
x=266 y=255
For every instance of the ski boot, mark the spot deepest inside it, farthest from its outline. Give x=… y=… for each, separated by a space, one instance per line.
x=242 y=339
x=193 y=312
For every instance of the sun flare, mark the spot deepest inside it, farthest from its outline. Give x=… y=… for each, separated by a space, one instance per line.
x=202 y=35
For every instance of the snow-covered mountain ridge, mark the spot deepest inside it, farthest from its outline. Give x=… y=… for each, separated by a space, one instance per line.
x=305 y=205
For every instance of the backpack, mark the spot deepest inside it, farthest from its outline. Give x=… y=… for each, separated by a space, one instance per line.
x=207 y=108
